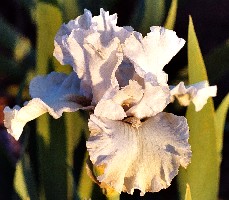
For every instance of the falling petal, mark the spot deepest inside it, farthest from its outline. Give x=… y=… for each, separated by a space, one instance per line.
x=146 y=158
x=55 y=93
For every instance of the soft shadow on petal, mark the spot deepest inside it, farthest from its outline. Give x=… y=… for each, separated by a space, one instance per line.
x=154 y=51
x=115 y=101
x=92 y=50
x=54 y=93
x=197 y=93
x=154 y=100
x=147 y=158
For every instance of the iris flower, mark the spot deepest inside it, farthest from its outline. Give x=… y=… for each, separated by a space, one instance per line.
x=118 y=74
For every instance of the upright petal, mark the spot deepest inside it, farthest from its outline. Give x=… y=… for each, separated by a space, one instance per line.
x=146 y=158
x=89 y=44
x=55 y=93
x=154 y=51
x=103 y=61
x=197 y=93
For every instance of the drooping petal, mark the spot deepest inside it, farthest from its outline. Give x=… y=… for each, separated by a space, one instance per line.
x=54 y=93
x=197 y=93
x=16 y=118
x=146 y=158
x=154 y=51
x=154 y=100
x=60 y=92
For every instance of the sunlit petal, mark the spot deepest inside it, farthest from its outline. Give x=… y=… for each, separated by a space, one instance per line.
x=154 y=100
x=146 y=158
x=55 y=93
x=153 y=52
x=197 y=93
x=115 y=101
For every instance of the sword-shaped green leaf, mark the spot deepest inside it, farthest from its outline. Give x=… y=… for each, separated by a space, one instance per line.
x=202 y=173
x=172 y=14
x=220 y=117
x=24 y=182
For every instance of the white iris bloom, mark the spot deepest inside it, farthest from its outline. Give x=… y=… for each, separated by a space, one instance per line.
x=119 y=75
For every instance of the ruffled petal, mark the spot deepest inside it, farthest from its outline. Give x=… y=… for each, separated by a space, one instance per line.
x=54 y=93
x=154 y=51
x=197 y=93
x=102 y=64
x=89 y=44
x=146 y=158
x=154 y=100
x=60 y=92
x=16 y=118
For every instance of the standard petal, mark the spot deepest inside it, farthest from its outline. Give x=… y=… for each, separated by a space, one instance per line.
x=154 y=100
x=154 y=51
x=197 y=93
x=89 y=44
x=146 y=158
x=103 y=61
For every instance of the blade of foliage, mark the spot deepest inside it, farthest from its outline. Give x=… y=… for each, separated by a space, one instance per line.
x=84 y=191
x=75 y=126
x=49 y=20
x=52 y=136
x=203 y=170
x=217 y=62
x=153 y=14
x=24 y=182
x=188 y=193
x=71 y=10
x=220 y=117
x=171 y=18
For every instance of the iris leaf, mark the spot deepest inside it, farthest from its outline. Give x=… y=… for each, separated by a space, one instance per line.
x=171 y=18
x=220 y=117
x=203 y=171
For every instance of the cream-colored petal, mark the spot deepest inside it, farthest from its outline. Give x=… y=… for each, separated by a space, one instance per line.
x=16 y=118
x=154 y=100
x=146 y=158
x=154 y=51
x=60 y=92
x=90 y=45
x=54 y=93
x=197 y=93
x=115 y=101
